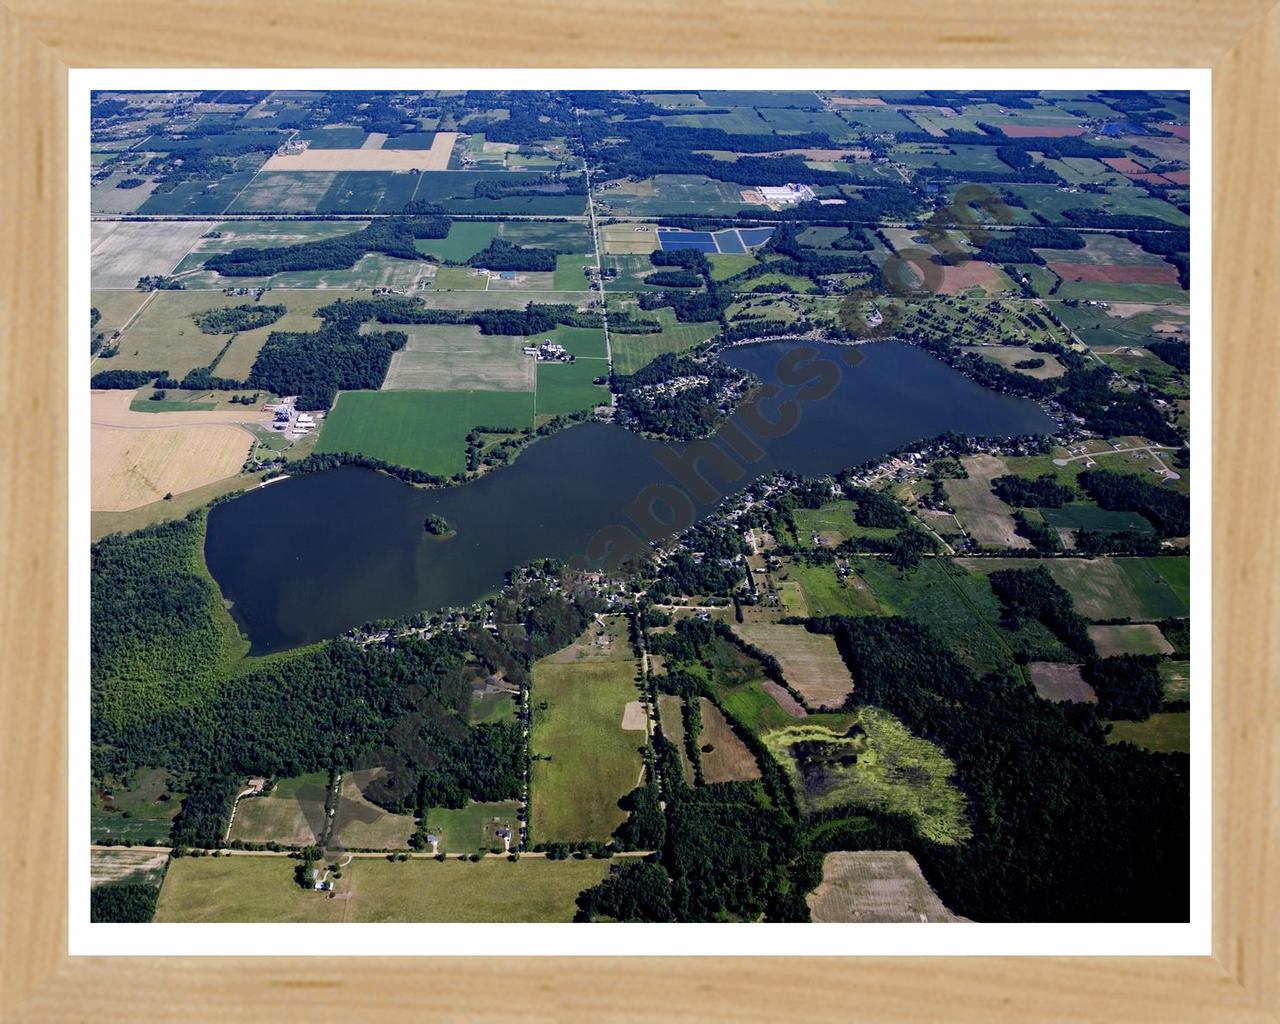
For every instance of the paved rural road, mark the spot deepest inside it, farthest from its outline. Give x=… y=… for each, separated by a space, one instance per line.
x=349 y=853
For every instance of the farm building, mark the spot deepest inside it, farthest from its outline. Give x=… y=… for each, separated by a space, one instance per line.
x=786 y=194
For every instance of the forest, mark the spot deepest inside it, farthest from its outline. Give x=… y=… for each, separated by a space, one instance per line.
x=1065 y=828
x=316 y=365
x=229 y=319
x=1168 y=511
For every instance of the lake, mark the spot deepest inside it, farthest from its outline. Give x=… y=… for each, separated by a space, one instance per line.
x=312 y=556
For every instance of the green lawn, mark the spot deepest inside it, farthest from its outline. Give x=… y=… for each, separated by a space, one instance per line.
x=470 y=828
x=421 y=429
x=584 y=761
x=581 y=342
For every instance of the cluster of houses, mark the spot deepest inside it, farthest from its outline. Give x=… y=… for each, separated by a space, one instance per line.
x=548 y=352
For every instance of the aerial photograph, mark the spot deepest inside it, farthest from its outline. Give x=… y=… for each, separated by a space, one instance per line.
x=637 y=506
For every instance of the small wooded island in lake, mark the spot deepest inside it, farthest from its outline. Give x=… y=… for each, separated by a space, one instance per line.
x=437 y=526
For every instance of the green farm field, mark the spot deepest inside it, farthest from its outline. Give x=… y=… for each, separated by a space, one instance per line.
x=443 y=357
x=567 y=387
x=632 y=352
x=421 y=429
x=1165 y=732
x=1110 y=588
x=465 y=239
x=583 y=760
x=251 y=888
x=164 y=337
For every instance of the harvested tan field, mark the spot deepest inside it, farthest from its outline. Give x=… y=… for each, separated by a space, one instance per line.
x=1137 y=638
x=136 y=466
x=434 y=159
x=785 y=701
x=810 y=662
x=876 y=886
x=1179 y=177
x=1124 y=310
x=1117 y=273
x=374 y=140
x=118 y=864
x=986 y=518
x=1057 y=682
x=1123 y=164
x=634 y=717
x=969 y=274
x=123 y=251
x=729 y=760
x=111 y=409
x=855 y=101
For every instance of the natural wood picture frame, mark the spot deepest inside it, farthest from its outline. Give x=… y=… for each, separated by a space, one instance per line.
x=41 y=39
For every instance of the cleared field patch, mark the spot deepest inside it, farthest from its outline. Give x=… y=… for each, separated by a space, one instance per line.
x=1165 y=732
x=326 y=159
x=583 y=762
x=875 y=887
x=292 y=813
x=132 y=467
x=1140 y=638
x=120 y=252
x=532 y=889
x=606 y=639
x=876 y=762
x=810 y=661
x=284 y=193
x=459 y=358
x=671 y=718
x=474 y=827
x=968 y=274
x=629 y=238
x=822 y=592
x=465 y=239
x=362 y=825
x=115 y=309
x=126 y=866
x=1176 y=676
x=1008 y=355
x=986 y=518
x=725 y=758
x=1118 y=273
x=1058 y=682
x=164 y=337
x=421 y=429
x=242 y=888
x=139 y=811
